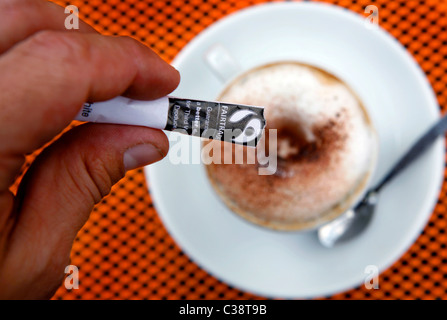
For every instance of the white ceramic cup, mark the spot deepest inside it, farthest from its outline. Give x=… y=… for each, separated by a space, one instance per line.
x=228 y=70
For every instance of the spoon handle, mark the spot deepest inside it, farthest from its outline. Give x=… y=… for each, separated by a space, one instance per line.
x=416 y=150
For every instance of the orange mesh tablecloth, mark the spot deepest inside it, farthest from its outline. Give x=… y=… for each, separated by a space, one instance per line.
x=124 y=251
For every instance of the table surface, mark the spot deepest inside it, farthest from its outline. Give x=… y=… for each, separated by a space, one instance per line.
x=125 y=252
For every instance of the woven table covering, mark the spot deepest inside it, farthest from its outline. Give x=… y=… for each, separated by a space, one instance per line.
x=125 y=252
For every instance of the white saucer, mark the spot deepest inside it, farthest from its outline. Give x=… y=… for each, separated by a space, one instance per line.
x=402 y=106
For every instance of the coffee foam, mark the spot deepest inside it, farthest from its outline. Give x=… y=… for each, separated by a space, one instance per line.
x=326 y=148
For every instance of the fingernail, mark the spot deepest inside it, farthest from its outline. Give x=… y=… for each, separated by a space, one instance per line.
x=141 y=155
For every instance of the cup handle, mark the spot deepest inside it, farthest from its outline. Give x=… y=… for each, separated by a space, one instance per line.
x=220 y=61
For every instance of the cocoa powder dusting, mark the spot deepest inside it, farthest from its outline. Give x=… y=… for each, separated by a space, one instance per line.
x=309 y=157
x=298 y=167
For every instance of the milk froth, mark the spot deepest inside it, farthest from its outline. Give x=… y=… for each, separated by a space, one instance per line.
x=326 y=148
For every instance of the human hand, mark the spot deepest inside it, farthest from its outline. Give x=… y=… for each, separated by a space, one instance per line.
x=46 y=73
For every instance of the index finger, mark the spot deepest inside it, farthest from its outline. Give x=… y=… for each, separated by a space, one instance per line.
x=46 y=79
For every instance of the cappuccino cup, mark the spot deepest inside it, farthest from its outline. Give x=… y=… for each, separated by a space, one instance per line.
x=319 y=136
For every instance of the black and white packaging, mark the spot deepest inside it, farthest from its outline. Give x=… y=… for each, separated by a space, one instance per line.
x=240 y=124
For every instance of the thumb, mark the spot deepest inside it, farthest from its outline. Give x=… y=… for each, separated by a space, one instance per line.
x=59 y=191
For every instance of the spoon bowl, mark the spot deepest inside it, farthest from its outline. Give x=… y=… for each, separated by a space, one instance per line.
x=349 y=224
x=355 y=220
